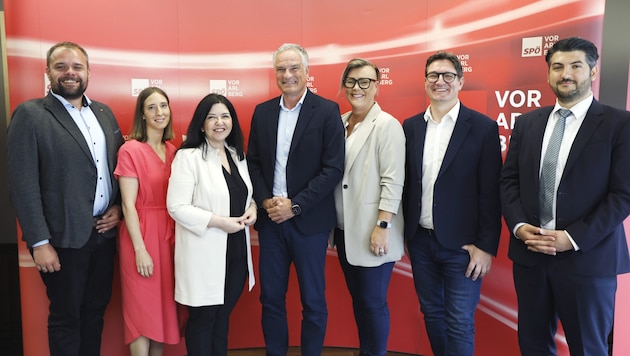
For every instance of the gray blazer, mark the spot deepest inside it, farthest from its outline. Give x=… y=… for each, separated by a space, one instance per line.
x=373 y=179
x=52 y=177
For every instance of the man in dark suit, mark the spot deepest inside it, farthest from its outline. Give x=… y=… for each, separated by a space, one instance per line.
x=568 y=245
x=295 y=156
x=451 y=206
x=61 y=154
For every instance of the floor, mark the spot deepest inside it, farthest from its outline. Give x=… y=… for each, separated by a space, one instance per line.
x=295 y=351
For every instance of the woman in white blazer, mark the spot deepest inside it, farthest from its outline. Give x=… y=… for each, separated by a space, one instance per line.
x=210 y=198
x=369 y=233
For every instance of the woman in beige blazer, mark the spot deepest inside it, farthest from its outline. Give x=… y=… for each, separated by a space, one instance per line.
x=210 y=198
x=369 y=233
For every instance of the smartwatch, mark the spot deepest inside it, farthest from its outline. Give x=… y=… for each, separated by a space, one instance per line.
x=296 y=210
x=384 y=224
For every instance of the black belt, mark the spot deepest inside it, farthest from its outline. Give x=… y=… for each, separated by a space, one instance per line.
x=429 y=232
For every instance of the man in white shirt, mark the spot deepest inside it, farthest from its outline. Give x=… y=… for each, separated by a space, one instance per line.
x=565 y=192
x=61 y=152
x=295 y=155
x=451 y=206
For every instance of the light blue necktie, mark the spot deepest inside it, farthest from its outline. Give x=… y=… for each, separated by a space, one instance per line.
x=547 y=182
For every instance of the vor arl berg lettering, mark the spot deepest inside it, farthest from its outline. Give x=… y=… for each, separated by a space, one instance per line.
x=139 y=84
x=511 y=103
x=224 y=87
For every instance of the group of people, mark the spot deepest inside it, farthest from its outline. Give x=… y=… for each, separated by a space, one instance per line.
x=434 y=187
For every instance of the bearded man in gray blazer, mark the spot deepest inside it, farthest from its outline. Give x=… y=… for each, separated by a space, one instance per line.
x=61 y=153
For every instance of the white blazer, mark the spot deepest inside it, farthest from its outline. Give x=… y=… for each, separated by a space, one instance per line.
x=373 y=179
x=197 y=190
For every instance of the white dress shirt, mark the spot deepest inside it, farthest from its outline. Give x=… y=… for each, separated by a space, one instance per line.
x=287 y=121
x=436 y=140
x=572 y=126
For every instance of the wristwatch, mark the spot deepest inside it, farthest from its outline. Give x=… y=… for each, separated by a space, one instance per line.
x=296 y=209
x=384 y=224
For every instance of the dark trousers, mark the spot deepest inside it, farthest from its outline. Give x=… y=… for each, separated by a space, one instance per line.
x=448 y=299
x=368 y=288
x=280 y=246
x=207 y=326
x=584 y=304
x=78 y=295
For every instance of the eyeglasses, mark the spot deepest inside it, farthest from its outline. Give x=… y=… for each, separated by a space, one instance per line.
x=448 y=77
x=364 y=83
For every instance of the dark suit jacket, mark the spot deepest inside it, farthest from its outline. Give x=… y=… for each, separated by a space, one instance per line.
x=466 y=206
x=52 y=176
x=593 y=195
x=315 y=163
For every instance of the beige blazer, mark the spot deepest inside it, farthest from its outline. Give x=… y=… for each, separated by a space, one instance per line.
x=373 y=178
x=197 y=190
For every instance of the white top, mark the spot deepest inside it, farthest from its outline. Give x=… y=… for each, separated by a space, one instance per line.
x=197 y=190
x=436 y=140
x=287 y=120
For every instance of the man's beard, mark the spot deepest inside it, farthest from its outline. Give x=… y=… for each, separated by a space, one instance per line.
x=580 y=90
x=70 y=94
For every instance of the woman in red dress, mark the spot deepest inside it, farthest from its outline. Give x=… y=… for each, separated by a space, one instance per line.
x=147 y=233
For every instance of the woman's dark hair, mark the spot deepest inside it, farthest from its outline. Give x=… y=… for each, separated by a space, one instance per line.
x=195 y=138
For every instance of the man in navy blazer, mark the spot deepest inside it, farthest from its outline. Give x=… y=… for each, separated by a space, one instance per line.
x=451 y=206
x=295 y=155
x=567 y=267
x=61 y=152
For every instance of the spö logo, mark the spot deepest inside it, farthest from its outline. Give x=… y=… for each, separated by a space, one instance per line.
x=218 y=87
x=532 y=47
x=137 y=85
x=538 y=46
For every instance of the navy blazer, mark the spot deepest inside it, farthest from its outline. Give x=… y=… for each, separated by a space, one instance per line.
x=593 y=195
x=52 y=175
x=314 y=166
x=466 y=205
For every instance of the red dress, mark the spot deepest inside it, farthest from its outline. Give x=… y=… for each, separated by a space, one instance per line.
x=148 y=304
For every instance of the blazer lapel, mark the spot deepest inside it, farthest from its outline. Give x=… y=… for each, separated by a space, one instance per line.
x=420 y=131
x=108 y=131
x=536 y=134
x=272 y=128
x=462 y=126
x=306 y=112
x=367 y=126
x=592 y=120
x=63 y=117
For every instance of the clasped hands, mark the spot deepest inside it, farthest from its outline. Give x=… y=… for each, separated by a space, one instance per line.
x=540 y=240
x=278 y=209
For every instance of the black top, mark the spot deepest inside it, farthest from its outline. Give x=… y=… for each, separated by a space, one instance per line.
x=237 y=246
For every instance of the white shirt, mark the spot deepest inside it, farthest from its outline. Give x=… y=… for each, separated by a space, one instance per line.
x=95 y=139
x=287 y=121
x=572 y=126
x=436 y=140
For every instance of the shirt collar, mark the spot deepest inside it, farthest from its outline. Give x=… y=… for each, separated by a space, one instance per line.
x=85 y=100
x=452 y=114
x=579 y=110
x=299 y=104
